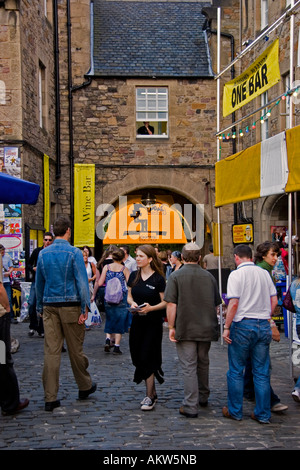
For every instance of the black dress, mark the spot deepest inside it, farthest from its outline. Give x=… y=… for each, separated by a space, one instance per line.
x=145 y=336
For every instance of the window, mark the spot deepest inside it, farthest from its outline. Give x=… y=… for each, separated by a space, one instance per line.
x=298 y=50
x=152 y=112
x=42 y=95
x=2 y=93
x=264 y=13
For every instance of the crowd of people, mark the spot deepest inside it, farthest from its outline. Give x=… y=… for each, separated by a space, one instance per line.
x=137 y=295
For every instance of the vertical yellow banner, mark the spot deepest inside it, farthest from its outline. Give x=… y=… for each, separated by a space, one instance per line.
x=84 y=205
x=46 y=194
x=216 y=228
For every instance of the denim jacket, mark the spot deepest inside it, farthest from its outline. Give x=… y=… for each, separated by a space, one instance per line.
x=61 y=276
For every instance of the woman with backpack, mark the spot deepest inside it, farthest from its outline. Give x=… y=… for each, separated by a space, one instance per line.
x=145 y=296
x=115 y=276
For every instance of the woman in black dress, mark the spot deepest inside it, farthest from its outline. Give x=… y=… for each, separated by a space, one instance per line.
x=146 y=286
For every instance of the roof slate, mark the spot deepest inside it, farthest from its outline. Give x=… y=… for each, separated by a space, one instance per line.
x=150 y=39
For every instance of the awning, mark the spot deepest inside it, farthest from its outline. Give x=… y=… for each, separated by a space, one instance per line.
x=134 y=224
x=269 y=167
x=17 y=191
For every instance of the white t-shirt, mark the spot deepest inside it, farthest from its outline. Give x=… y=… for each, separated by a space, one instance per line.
x=254 y=288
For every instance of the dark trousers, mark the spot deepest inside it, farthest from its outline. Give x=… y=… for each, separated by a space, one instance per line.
x=35 y=321
x=9 y=388
x=249 y=386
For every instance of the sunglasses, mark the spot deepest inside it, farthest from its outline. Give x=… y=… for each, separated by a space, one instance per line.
x=48 y=239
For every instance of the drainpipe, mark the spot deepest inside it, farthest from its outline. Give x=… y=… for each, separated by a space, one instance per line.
x=57 y=90
x=71 y=89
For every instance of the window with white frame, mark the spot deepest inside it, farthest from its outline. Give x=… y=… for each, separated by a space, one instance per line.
x=42 y=95
x=152 y=112
x=264 y=20
x=2 y=92
x=298 y=50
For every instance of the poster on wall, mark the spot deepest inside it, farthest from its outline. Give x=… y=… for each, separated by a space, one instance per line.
x=278 y=233
x=12 y=210
x=12 y=163
x=242 y=233
x=11 y=214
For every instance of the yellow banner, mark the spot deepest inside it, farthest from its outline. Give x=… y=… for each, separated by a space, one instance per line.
x=238 y=177
x=84 y=205
x=258 y=78
x=46 y=194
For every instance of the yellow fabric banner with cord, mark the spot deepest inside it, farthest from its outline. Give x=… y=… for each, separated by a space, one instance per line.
x=238 y=177
x=258 y=78
x=293 y=152
x=84 y=205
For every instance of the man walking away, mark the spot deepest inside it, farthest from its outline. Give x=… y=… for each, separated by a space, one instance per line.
x=192 y=295
x=63 y=298
x=247 y=331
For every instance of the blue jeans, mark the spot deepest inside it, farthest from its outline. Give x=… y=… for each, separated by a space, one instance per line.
x=8 y=289
x=297 y=384
x=250 y=338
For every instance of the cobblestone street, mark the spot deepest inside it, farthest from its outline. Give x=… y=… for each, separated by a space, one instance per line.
x=111 y=419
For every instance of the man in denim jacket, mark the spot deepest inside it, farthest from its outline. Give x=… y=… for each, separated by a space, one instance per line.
x=63 y=299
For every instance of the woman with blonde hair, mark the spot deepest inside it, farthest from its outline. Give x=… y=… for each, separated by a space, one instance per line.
x=117 y=315
x=146 y=289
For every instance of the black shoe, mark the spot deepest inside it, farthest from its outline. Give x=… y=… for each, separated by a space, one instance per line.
x=23 y=404
x=50 y=405
x=83 y=394
x=31 y=333
x=117 y=350
x=107 y=345
x=187 y=415
x=203 y=403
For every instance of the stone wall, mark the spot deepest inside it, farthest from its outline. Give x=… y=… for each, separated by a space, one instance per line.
x=27 y=37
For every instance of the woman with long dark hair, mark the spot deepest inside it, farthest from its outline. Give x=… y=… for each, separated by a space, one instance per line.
x=146 y=287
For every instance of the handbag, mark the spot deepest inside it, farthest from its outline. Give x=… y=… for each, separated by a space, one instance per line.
x=288 y=302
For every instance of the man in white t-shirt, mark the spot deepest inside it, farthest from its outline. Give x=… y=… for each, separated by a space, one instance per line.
x=252 y=300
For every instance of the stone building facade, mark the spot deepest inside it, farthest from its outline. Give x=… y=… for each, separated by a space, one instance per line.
x=104 y=122
x=267 y=20
x=88 y=110
x=28 y=106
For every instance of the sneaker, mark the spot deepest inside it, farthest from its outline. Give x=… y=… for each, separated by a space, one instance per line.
x=144 y=400
x=30 y=332
x=148 y=404
x=279 y=407
x=117 y=350
x=296 y=395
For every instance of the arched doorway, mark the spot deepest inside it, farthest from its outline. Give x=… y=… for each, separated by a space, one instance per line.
x=185 y=220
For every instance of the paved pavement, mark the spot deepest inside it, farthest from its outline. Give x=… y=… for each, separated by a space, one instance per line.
x=111 y=419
